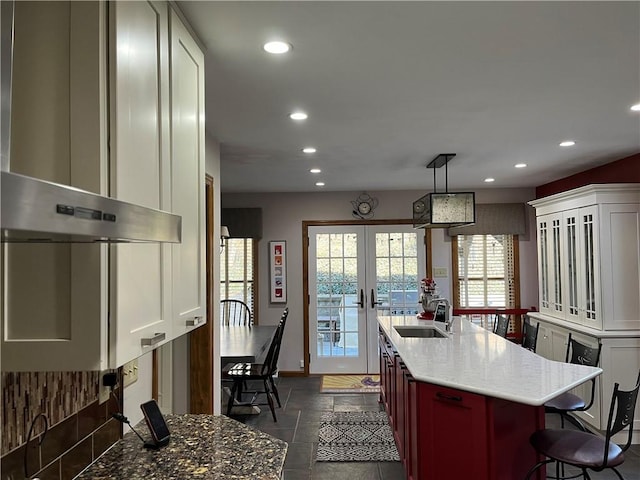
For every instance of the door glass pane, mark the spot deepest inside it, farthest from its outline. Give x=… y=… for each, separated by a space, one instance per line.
x=589 y=266
x=544 y=265
x=397 y=273
x=572 y=265
x=336 y=286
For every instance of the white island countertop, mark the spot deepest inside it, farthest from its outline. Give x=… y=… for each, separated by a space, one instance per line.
x=476 y=360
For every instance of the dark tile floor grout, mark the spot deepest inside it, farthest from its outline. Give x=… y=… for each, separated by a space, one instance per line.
x=299 y=422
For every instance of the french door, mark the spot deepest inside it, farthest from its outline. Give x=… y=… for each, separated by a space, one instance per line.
x=355 y=273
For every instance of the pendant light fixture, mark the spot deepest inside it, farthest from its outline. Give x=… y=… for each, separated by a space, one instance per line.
x=444 y=210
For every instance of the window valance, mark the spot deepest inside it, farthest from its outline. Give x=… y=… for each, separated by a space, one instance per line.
x=243 y=222
x=497 y=219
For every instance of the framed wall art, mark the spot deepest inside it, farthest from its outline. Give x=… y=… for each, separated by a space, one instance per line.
x=278 y=271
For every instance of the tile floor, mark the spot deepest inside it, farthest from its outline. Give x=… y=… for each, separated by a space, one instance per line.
x=299 y=420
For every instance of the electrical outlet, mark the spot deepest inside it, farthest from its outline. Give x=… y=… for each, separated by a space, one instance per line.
x=301 y=363
x=103 y=392
x=130 y=373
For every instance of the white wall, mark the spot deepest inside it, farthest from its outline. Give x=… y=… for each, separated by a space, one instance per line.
x=283 y=214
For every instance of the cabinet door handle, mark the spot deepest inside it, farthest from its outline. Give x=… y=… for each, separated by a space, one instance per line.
x=192 y=322
x=157 y=338
x=444 y=396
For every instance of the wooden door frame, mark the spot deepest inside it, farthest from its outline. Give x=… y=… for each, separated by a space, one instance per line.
x=201 y=344
x=305 y=267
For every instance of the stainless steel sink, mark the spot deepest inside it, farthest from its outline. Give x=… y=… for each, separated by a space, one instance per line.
x=419 y=332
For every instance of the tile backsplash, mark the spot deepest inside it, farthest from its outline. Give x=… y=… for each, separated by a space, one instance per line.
x=80 y=428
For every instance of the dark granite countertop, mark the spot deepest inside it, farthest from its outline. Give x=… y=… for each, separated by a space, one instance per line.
x=201 y=446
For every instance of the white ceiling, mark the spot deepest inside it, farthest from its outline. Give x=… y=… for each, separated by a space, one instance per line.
x=390 y=85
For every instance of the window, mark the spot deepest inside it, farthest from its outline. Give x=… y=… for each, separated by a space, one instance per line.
x=487 y=271
x=238 y=271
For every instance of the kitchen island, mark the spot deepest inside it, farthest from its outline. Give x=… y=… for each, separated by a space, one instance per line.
x=201 y=446
x=463 y=404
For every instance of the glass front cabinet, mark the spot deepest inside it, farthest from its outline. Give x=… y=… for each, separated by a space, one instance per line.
x=588 y=257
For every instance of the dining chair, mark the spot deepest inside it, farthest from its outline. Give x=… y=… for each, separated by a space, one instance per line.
x=501 y=325
x=529 y=335
x=240 y=373
x=235 y=312
x=579 y=354
x=589 y=451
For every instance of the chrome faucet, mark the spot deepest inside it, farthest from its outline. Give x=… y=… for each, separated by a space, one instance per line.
x=441 y=312
x=448 y=324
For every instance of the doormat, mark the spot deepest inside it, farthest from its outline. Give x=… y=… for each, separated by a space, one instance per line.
x=355 y=437
x=350 y=384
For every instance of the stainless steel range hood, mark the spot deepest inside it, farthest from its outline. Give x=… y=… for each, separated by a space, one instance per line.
x=39 y=211
x=35 y=210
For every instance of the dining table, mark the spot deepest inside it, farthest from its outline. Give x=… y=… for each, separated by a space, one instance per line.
x=243 y=344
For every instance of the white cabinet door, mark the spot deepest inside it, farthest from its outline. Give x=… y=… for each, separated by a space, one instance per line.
x=550 y=255
x=52 y=293
x=581 y=267
x=139 y=297
x=620 y=360
x=589 y=268
x=187 y=178
x=620 y=265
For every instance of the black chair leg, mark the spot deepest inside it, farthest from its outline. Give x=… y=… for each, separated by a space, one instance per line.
x=275 y=391
x=270 y=399
x=617 y=473
x=231 y=397
x=535 y=467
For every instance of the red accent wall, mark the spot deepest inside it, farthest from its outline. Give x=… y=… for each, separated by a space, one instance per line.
x=626 y=170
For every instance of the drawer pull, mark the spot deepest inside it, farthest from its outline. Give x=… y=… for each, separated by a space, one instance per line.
x=193 y=322
x=157 y=338
x=444 y=396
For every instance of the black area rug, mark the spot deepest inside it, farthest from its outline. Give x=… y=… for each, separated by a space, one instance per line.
x=356 y=437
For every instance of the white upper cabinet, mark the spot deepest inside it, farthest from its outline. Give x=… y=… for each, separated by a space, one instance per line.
x=589 y=256
x=127 y=121
x=52 y=312
x=187 y=177
x=140 y=290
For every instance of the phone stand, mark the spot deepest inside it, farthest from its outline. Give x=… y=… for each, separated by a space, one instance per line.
x=156 y=445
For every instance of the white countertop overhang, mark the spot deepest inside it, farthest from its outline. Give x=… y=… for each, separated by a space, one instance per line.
x=476 y=360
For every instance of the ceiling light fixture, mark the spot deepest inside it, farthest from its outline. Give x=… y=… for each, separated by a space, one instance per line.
x=309 y=150
x=567 y=143
x=635 y=108
x=276 y=47
x=489 y=179
x=520 y=165
x=315 y=170
x=319 y=184
x=442 y=210
x=298 y=116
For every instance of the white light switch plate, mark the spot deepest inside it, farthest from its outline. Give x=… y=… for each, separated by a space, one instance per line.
x=130 y=373
x=440 y=272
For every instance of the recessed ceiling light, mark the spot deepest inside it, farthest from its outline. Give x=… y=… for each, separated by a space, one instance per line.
x=298 y=116
x=489 y=180
x=315 y=170
x=276 y=47
x=567 y=143
x=309 y=150
x=520 y=165
x=635 y=108
x=319 y=184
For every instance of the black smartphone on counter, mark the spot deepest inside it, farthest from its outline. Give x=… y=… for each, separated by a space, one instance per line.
x=155 y=422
